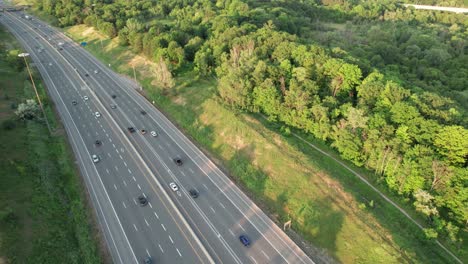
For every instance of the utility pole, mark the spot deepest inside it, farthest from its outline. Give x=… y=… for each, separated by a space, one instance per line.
x=24 y=55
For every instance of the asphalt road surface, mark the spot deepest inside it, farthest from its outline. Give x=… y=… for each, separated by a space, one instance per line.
x=174 y=227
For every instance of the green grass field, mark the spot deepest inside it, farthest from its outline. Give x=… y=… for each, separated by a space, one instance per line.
x=329 y=206
x=43 y=213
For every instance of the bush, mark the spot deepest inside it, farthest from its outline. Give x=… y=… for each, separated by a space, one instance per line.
x=8 y=124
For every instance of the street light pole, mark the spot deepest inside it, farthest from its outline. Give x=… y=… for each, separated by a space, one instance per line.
x=24 y=55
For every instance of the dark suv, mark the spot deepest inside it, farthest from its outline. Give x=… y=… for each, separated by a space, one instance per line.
x=131 y=129
x=178 y=161
x=142 y=200
x=244 y=240
x=193 y=193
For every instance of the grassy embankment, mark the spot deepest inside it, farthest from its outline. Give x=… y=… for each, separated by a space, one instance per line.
x=329 y=206
x=43 y=213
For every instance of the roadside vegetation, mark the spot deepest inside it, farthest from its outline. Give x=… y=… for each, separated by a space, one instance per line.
x=43 y=213
x=347 y=75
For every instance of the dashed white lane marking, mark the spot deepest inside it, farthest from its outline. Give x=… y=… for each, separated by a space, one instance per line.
x=144 y=195
x=129 y=171
x=108 y=154
x=212 y=209
x=120 y=156
x=124 y=205
x=107 y=135
x=97 y=133
x=253 y=259
x=125 y=164
x=167 y=144
x=183 y=173
x=139 y=186
x=89 y=134
x=117 y=151
x=146 y=222
x=99 y=122
x=163 y=227
x=110 y=139
x=206 y=187
x=190 y=169
x=161 y=248
x=150 y=205
x=266 y=256
x=135 y=201
x=115 y=187
x=125 y=183
x=160 y=147
x=83 y=125
x=172 y=241
x=155 y=214
x=117 y=169
x=147 y=252
x=232 y=233
x=122 y=150
x=108 y=172
x=178 y=252
x=135 y=227
x=113 y=145
x=134 y=179
x=104 y=130
x=222 y=205
x=241 y=227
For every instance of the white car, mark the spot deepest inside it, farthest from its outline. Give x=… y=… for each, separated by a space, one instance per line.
x=96 y=71
x=85 y=98
x=154 y=134
x=174 y=186
x=97 y=114
x=95 y=158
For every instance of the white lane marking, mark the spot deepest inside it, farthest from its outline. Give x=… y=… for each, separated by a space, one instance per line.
x=144 y=195
x=190 y=169
x=253 y=259
x=135 y=227
x=147 y=252
x=178 y=252
x=84 y=125
x=232 y=233
x=172 y=241
x=117 y=151
x=135 y=201
x=122 y=150
x=146 y=222
x=206 y=187
x=241 y=227
x=163 y=227
x=183 y=173
x=155 y=214
x=139 y=186
x=107 y=135
x=266 y=256
x=120 y=156
x=212 y=209
x=108 y=172
x=124 y=205
x=160 y=147
x=222 y=205
x=129 y=171
x=150 y=205
x=110 y=139
x=89 y=134
x=97 y=134
x=134 y=179
x=125 y=164
x=108 y=154
x=113 y=145
x=115 y=187
x=125 y=183
x=161 y=248
x=117 y=169
x=99 y=122
x=104 y=130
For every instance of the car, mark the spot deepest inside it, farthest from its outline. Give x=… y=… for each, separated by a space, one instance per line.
x=143 y=131
x=50 y=63
x=98 y=142
x=97 y=114
x=174 y=186
x=86 y=74
x=143 y=112
x=60 y=48
x=244 y=240
x=193 y=193
x=95 y=158
x=131 y=129
x=113 y=106
x=148 y=260
x=96 y=71
x=114 y=96
x=142 y=200
x=178 y=161
x=85 y=98
x=154 y=134
x=74 y=102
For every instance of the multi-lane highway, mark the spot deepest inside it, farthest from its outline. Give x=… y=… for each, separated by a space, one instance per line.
x=174 y=227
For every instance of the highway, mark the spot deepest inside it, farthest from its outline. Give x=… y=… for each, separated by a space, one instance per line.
x=173 y=227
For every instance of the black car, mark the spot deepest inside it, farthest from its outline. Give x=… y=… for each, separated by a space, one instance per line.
x=114 y=96
x=74 y=102
x=86 y=74
x=178 y=161
x=142 y=200
x=244 y=240
x=143 y=112
x=148 y=260
x=193 y=193
x=131 y=129
x=98 y=142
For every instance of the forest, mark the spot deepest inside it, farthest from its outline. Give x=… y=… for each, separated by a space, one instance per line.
x=385 y=85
